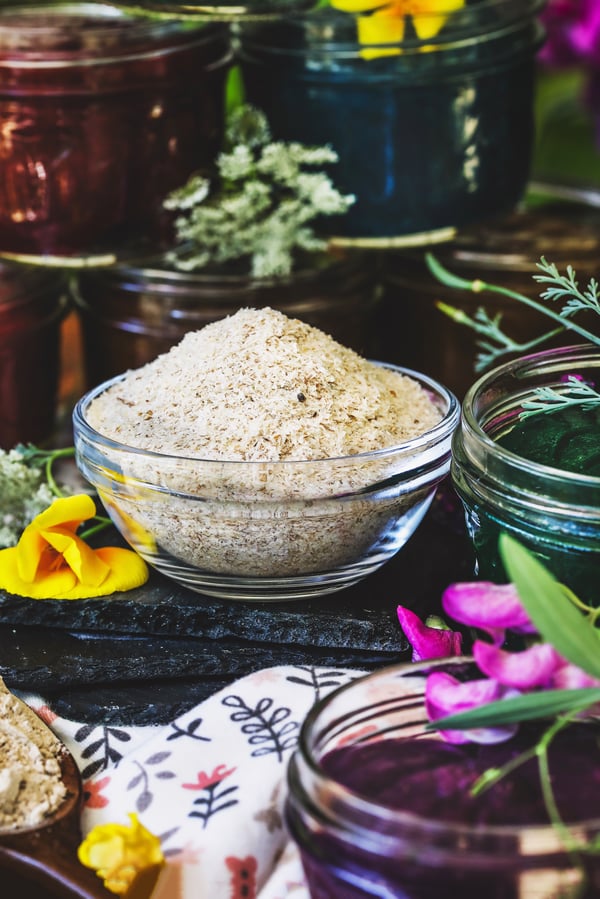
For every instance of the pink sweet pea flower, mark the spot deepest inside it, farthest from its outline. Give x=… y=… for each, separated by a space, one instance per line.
x=570 y=677
x=493 y=608
x=445 y=695
x=526 y=670
x=428 y=642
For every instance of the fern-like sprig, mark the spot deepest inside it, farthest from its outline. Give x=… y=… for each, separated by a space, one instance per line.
x=561 y=286
x=495 y=343
x=550 y=399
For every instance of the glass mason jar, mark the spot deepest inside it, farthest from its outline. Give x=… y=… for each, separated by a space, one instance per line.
x=131 y=314
x=413 y=331
x=33 y=304
x=543 y=489
x=390 y=815
x=102 y=115
x=431 y=135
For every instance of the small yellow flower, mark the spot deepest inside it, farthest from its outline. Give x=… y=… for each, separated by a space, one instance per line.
x=385 y=22
x=51 y=561
x=122 y=854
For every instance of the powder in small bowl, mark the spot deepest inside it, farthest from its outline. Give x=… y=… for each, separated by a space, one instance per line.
x=31 y=786
x=260 y=448
x=261 y=386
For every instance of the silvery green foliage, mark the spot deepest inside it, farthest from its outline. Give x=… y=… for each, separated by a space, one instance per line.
x=268 y=197
x=24 y=493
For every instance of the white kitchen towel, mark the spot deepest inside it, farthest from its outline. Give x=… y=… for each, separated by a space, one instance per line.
x=211 y=784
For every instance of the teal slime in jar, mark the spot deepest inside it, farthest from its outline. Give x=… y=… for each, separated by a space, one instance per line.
x=536 y=477
x=431 y=135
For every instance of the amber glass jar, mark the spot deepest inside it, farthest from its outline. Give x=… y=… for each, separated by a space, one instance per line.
x=413 y=331
x=102 y=114
x=33 y=304
x=131 y=314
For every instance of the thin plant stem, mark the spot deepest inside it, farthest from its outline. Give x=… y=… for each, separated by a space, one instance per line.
x=479 y=286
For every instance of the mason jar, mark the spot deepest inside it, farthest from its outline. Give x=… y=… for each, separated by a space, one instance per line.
x=536 y=478
x=33 y=304
x=431 y=134
x=504 y=251
x=102 y=114
x=379 y=806
x=131 y=314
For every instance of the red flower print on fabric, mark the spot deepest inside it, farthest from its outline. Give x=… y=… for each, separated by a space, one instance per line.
x=46 y=714
x=205 y=780
x=243 y=876
x=92 y=793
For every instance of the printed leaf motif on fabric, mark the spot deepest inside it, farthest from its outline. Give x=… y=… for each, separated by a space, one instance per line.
x=100 y=750
x=189 y=731
x=317 y=679
x=145 y=796
x=262 y=725
x=213 y=798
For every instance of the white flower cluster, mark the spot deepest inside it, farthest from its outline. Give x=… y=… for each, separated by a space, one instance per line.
x=24 y=493
x=265 y=206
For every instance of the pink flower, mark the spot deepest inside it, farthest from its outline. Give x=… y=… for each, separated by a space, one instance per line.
x=445 y=695
x=493 y=608
x=428 y=642
x=573 y=32
x=526 y=670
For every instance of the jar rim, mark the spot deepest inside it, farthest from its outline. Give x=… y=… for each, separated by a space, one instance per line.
x=468 y=25
x=36 y=34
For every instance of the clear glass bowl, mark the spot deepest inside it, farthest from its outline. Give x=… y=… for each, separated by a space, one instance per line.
x=268 y=530
x=357 y=837
x=553 y=511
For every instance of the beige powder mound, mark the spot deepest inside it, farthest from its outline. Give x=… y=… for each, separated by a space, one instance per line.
x=31 y=787
x=258 y=385
x=263 y=389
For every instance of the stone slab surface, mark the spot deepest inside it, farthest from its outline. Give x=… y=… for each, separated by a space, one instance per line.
x=144 y=655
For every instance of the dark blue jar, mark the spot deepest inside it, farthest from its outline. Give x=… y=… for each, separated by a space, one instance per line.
x=432 y=136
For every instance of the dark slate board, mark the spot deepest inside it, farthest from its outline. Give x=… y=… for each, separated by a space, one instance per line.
x=148 y=654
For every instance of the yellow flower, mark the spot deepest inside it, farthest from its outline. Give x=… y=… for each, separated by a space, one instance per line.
x=124 y=856
x=51 y=561
x=385 y=22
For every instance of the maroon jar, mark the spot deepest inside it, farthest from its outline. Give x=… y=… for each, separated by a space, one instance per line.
x=102 y=114
x=33 y=303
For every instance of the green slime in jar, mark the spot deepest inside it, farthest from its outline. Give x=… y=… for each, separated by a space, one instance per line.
x=559 y=523
x=569 y=439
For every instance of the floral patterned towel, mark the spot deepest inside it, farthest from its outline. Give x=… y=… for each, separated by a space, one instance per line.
x=211 y=784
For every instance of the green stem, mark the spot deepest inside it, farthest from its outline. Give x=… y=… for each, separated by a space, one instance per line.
x=494 y=775
x=101 y=524
x=572 y=847
x=478 y=286
x=66 y=453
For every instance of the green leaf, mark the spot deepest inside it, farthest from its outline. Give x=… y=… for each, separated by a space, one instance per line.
x=558 y=621
x=527 y=707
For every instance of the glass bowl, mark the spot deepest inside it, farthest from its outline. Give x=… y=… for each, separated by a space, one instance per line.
x=268 y=530
x=391 y=815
